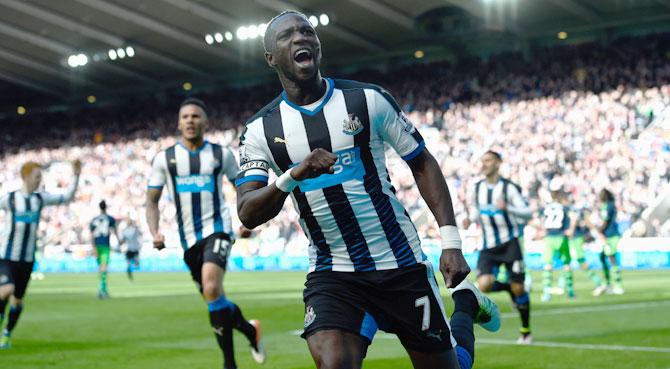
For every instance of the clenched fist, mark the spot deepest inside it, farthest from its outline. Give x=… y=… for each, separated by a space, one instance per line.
x=318 y=162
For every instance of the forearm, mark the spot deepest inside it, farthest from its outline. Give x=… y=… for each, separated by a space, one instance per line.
x=71 y=190
x=524 y=212
x=153 y=217
x=433 y=189
x=257 y=206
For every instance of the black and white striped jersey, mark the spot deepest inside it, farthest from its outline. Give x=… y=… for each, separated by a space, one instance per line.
x=352 y=218
x=194 y=181
x=19 y=235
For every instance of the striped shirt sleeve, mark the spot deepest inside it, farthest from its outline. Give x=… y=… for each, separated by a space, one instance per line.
x=253 y=159
x=231 y=168
x=395 y=127
x=4 y=202
x=157 y=179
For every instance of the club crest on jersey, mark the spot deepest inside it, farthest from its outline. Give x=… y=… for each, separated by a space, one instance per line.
x=352 y=125
x=310 y=316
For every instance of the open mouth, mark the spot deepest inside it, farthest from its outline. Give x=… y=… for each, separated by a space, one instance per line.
x=303 y=57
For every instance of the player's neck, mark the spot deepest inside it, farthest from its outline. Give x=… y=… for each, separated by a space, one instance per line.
x=193 y=144
x=305 y=93
x=493 y=178
x=26 y=190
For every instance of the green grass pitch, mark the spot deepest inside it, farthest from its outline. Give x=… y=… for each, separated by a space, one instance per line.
x=159 y=321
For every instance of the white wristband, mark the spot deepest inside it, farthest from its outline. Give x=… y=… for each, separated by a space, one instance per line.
x=286 y=183
x=450 y=237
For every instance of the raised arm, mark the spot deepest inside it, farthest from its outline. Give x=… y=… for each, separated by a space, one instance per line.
x=257 y=202
x=53 y=199
x=517 y=205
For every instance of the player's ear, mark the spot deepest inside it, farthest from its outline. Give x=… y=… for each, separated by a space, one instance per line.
x=269 y=58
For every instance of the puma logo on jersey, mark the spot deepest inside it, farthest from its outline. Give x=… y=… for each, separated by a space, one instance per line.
x=173 y=161
x=280 y=140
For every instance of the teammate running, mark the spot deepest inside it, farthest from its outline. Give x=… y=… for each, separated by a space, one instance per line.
x=497 y=204
x=132 y=237
x=101 y=228
x=19 y=239
x=325 y=140
x=193 y=171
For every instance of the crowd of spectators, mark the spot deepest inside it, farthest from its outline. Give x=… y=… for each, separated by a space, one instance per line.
x=595 y=116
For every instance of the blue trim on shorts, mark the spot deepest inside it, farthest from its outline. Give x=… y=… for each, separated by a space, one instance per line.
x=368 y=327
x=219 y=304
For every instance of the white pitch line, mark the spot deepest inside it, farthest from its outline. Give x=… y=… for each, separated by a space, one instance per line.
x=579 y=346
x=590 y=309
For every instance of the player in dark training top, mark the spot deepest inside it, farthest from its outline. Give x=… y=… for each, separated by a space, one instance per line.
x=101 y=228
x=325 y=140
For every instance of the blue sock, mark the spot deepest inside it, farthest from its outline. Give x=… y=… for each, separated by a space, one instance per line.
x=464 y=358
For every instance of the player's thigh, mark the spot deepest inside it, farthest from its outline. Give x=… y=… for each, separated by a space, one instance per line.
x=215 y=258
x=513 y=260
x=408 y=303
x=440 y=360
x=336 y=301
x=564 y=252
x=487 y=266
x=193 y=258
x=549 y=250
x=337 y=349
x=21 y=272
x=6 y=280
x=611 y=245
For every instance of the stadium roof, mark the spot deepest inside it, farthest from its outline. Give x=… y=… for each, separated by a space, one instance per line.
x=168 y=37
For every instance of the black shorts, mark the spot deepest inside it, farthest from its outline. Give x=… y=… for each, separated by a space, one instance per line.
x=132 y=255
x=214 y=249
x=16 y=273
x=509 y=253
x=405 y=302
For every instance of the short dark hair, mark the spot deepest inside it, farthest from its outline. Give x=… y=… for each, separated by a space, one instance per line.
x=494 y=153
x=266 y=37
x=194 y=101
x=103 y=205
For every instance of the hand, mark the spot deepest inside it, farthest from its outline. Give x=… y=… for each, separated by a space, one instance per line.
x=76 y=167
x=466 y=223
x=315 y=164
x=501 y=204
x=453 y=266
x=159 y=241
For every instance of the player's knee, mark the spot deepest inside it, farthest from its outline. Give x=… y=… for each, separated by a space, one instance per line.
x=6 y=291
x=485 y=283
x=337 y=359
x=517 y=288
x=548 y=267
x=211 y=291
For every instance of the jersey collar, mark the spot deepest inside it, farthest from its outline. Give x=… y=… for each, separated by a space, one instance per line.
x=197 y=151
x=326 y=97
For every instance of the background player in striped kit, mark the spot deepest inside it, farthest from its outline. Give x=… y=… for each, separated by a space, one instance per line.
x=19 y=239
x=132 y=237
x=101 y=228
x=496 y=205
x=193 y=170
x=325 y=140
